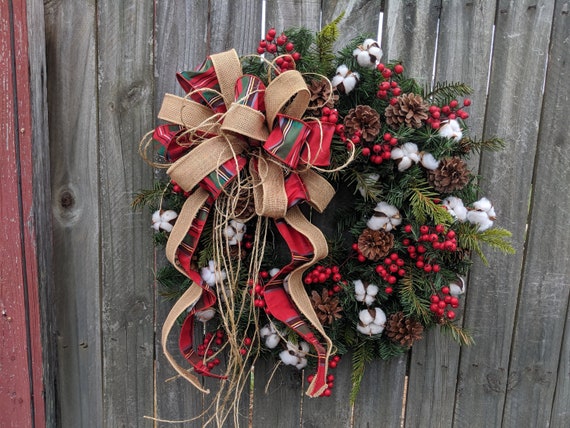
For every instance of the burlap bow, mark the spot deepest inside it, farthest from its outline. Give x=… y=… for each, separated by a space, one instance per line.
x=235 y=121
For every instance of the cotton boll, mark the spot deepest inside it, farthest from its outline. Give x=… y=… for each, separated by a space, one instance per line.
x=162 y=219
x=377 y=223
x=406 y=155
x=455 y=207
x=301 y=364
x=368 y=43
x=457 y=288
x=342 y=70
x=364 y=329
x=205 y=315
x=379 y=317
x=266 y=330
x=376 y=329
x=337 y=80
x=359 y=289
x=211 y=275
x=369 y=299
x=482 y=204
x=428 y=161
x=365 y=317
x=274 y=272
x=385 y=216
x=363 y=58
x=481 y=219
x=303 y=348
x=451 y=129
x=350 y=82
x=289 y=358
x=272 y=341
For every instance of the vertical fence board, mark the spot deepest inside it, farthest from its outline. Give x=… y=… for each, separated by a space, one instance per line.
x=125 y=76
x=521 y=41
x=356 y=12
x=545 y=286
x=284 y=14
x=409 y=34
x=181 y=44
x=235 y=25
x=72 y=100
x=463 y=28
x=21 y=393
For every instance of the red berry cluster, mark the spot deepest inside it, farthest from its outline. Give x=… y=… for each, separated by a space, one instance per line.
x=449 y=111
x=247 y=341
x=257 y=290
x=390 y=270
x=379 y=153
x=333 y=362
x=279 y=45
x=389 y=87
x=321 y=274
x=441 y=301
x=207 y=349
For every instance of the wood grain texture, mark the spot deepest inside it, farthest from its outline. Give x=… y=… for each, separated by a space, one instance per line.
x=463 y=27
x=545 y=286
x=283 y=14
x=409 y=34
x=125 y=95
x=234 y=25
x=520 y=48
x=72 y=97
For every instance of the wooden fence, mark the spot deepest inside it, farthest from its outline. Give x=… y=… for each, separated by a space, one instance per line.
x=106 y=65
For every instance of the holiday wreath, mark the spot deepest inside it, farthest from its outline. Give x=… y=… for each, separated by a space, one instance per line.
x=256 y=137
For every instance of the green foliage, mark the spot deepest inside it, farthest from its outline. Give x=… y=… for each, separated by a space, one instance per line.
x=423 y=205
x=444 y=92
x=149 y=197
x=363 y=354
x=324 y=41
x=458 y=334
x=471 y=239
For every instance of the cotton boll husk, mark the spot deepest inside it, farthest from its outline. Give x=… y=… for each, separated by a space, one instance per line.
x=272 y=341
x=365 y=317
x=428 y=161
x=205 y=315
x=380 y=317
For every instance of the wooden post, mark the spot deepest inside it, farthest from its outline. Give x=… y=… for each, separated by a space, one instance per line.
x=24 y=253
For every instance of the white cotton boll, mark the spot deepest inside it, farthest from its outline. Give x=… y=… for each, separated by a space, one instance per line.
x=156 y=216
x=404 y=164
x=168 y=215
x=301 y=364
x=397 y=153
x=205 y=315
x=304 y=348
x=451 y=129
x=386 y=217
x=376 y=329
x=161 y=220
x=372 y=290
x=386 y=208
x=365 y=317
x=455 y=207
x=379 y=317
x=363 y=58
x=376 y=52
x=274 y=271
x=411 y=150
x=359 y=288
x=428 y=161
x=337 y=80
x=481 y=219
x=377 y=223
x=211 y=275
x=289 y=358
x=482 y=204
x=455 y=290
x=272 y=341
x=407 y=154
x=350 y=82
x=342 y=70
x=364 y=329
x=266 y=330
x=368 y=43
x=369 y=299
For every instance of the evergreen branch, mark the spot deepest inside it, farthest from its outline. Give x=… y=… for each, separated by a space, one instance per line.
x=324 y=41
x=444 y=92
x=424 y=207
x=467 y=238
x=496 y=238
x=461 y=336
x=149 y=197
x=363 y=354
x=494 y=144
x=413 y=305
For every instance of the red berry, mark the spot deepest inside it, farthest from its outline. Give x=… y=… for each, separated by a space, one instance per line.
x=289 y=47
x=440 y=228
x=389 y=290
x=310 y=378
x=366 y=151
x=333 y=364
x=441 y=304
x=436 y=268
x=380 y=67
x=453 y=103
x=401 y=272
x=392 y=279
x=398 y=69
x=176 y=188
x=361 y=258
x=386 y=73
x=421 y=249
x=327 y=392
x=466 y=102
x=272 y=32
x=247 y=341
x=445 y=289
x=434 y=298
x=450 y=315
x=434 y=307
x=408 y=228
x=424 y=229
x=260 y=50
x=427 y=268
x=296 y=56
x=355 y=246
x=420 y=264
x=396 y=92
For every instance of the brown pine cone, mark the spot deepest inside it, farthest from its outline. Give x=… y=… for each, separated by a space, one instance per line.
x=326 y=307
x=451 y=174
x=410 y=110
x=365 y=119
x=321 y=96
x=375 y=244
x=403 y=330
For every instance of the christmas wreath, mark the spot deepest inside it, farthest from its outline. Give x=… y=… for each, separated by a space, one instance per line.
x=254 y=148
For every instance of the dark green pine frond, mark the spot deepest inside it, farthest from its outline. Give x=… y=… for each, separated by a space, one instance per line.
x=149 y=197
x=362 y=355
x=172 y=282
x=458 y=334
x=324 y=41
x=414 y=305
x=423 y=205
x=494 y=144
x=444 y=92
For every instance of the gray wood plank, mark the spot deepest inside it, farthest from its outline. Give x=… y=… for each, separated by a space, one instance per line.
x=463 y=27
x=356 y=13
x=283 y=14
x=235 y=25
x=521 y=43
x=537 y=351
x=125 y=96
x=42 y=200
x=180 y=44
x=72 y=99
x=409 y=34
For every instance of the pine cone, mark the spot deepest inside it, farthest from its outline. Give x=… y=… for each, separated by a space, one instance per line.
x=375 y=244
x=403 y=330
x=410 y=110
x=451 y=174
x=321 y=96
x=326 y=307
x=365 y=119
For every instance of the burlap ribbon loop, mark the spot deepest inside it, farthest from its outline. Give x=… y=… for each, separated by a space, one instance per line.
x=237 y=120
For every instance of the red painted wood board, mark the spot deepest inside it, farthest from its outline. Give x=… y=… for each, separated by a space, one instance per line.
x=21 y=391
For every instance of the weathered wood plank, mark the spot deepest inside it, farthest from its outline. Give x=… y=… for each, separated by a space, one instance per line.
x=463 y=27
x=235 y=25
x=521 y=43
x=545 y=286
x=284 y=14
x=180 y=44
x=21 y=402
x=356 y=12
x=125 y=95
x=409 y=34
x=72 y=99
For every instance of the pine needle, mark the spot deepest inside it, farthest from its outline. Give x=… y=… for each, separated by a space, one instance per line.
x=458 y=334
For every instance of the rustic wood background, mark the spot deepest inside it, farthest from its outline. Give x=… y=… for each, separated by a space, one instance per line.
x=107 y=64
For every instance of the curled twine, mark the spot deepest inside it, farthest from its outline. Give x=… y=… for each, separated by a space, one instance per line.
x=197 y=133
